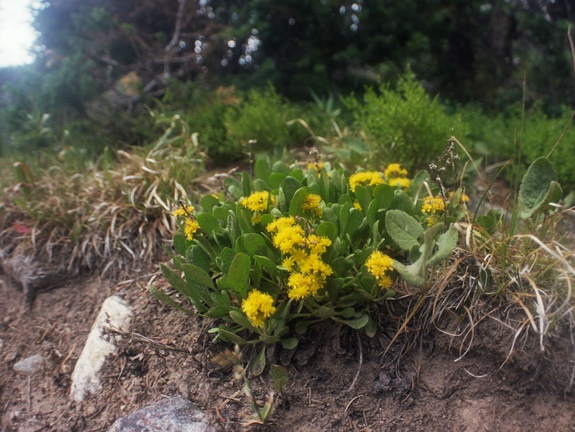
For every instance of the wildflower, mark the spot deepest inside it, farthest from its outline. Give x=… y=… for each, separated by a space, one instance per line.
x=289 y=238
x=183 y=211
x=394 y=170
x=258 y=201
x=288 y=263
x=313 y=265
x=379 y=265
x=357 y=205
x=311 y=204
x=462 y=199
x=258 y=307
x=396 y=176
x=399 y=181
x=433 y=205
x=371 y=178
x=190 y=228
x=281 y=223
x=302 y=285
x=317 y=245
x=316 y=166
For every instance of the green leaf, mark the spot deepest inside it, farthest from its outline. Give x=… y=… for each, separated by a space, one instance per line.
x=197 y=256
x=246 y=184
x=403 y=229
x=280 y=376
x=208 y=202
x=446 y=243
x=240 y=319
x=174 y=280
x=327 y=229
x=538 y=188
x=363 y=197
x=198 y=275
x=227 y=335
x=289 y=187
x=162 y=296
x=262 y=170
x=254 y=244
x=276 y=179
x=238 y=275
x=357 y=323
x=297 y=201
x=259 y=362
x=208 y=223
x=268 y=264
x=370 y=328
x=180 y=243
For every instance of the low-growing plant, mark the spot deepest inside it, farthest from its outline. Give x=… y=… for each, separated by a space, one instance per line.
x=270 y=256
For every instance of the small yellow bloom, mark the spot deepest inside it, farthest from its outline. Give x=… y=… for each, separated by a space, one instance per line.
x=258 y=307
x=317 y=245
x=289 y=238
x=258 y=201
x=379 y=264
x=394 y=170
x=385 y=282
x=357 y=205
x=311 y=203
x=302 y=286
x=433 y=205
x=315 y=165
x=281 y=223
x=462 y=199
x=190 y=228
x=403 y=182
x=371 y=178
x=288 y=263
x=183 y=211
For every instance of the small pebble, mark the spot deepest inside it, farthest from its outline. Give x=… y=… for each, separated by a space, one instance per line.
x=30 y=366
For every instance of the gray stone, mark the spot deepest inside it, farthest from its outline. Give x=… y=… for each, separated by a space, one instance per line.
x=173 y=414
x=114 y=314
x=30 y=366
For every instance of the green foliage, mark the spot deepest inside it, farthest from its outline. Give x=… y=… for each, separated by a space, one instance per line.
x=261 y=116
x=405 y=125
x=274 y=254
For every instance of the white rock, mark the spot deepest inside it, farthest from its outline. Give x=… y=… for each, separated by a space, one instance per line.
x=30 y=366
x=114 y=314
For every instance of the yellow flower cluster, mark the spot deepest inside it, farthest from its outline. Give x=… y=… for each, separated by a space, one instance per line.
x=379 y=265
x=258 y=201
x=396 y=176
x=258 y=307
x=311 y=204
x=308 y=272
x=190 y=224
x=432 y=206
x=371 y=178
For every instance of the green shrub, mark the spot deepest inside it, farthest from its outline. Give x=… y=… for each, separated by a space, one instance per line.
x=262 y=116
x=404 y=125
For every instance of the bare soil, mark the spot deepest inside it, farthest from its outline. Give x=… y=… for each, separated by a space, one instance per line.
x=339 y=381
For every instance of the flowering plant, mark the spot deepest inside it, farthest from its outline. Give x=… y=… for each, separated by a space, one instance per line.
x=273 y=254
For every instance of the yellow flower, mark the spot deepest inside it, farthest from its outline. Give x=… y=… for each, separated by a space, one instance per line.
x=433 y=205
x=371 y=178
x=289 y=238
x=394 y=170
x=399 y=181
x=183 y=211
x=313 y=265
x=281 y=223
x=315 y=165
x=357 y=205
x=302 y=286
x=190 y=228
x=311 y=204
x=462 y=199
x=316 y=244
x=258 y=307
x=379 y=264
x=288 y=263
x=258 y=201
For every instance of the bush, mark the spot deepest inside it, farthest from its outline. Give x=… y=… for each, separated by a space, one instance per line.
x=404 y=125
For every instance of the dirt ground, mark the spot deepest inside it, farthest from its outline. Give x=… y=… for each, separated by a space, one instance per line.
x=338 y=380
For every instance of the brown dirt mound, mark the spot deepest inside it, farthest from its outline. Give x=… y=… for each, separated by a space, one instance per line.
x=338 y=381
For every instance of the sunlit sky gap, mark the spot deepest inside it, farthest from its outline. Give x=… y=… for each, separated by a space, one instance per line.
x=16 y=33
